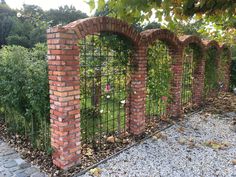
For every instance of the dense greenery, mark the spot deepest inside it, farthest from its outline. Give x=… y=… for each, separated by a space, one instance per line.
x=233 y=68
x=24 y=92
x=27 y=26
x=189 y=64
x=159 y=79
x=233 y=75
x=211 y=74
x=216 y=17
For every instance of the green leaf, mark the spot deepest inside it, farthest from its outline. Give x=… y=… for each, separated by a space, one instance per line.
x=101 y=4
x=91 y=4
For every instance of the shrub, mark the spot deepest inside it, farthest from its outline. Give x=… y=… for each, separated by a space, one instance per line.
x=24 y=94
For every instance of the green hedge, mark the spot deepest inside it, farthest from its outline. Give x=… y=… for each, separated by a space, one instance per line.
x=24 y=95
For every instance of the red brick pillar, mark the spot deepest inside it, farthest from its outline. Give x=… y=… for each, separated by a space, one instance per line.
x=138 y=91
x=198 y=82
x=63 y=66
x=174 y=108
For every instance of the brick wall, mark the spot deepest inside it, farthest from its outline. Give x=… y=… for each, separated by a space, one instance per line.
x=64 y=81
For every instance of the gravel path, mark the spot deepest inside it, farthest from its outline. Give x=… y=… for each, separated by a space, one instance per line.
x=204 y=145
x=12 y=165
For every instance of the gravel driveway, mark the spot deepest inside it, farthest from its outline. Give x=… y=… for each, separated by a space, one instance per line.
x=203 y=146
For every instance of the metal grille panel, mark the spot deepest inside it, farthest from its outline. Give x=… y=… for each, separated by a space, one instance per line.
x=104 y=85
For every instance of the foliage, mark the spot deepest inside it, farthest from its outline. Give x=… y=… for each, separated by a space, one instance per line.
x=233 y=67
x=24 y=92
x=159 y=77
x=90 y=113
x=211 y=74
x=233 y=75
x=159 y=70
x=223 y=64
x=217 y=17
x=63 y=15
x=27 y=26
x=187 y=76
x=6 y=22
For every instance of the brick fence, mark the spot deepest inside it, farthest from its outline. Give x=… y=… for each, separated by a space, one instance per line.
x=64 y=78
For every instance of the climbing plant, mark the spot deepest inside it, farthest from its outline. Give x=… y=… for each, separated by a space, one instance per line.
x=159 y=78
x=211 y=74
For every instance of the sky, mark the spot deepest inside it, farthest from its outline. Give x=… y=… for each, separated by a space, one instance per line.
x=50 y=4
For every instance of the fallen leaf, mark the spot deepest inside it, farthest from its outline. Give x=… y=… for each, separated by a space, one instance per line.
x=117 y=140
x=180 y=129
x=191 y=139
x=216 y=145
x=95 y=172
x=181 y=141
x=191 y=145
x=125 y=141
x=160 y=136
x=89 y=152
x=234 y=162
x=111 y=139
x=124 y=135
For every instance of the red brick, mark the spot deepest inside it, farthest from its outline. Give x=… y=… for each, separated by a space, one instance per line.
x=63 y=66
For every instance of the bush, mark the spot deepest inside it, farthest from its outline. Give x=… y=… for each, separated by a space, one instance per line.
x=24 y=94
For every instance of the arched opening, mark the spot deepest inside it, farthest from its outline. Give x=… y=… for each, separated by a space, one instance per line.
x=224 y=64
x=192 y=57
x=159 y=76
x=211 y=85
x=105 y=64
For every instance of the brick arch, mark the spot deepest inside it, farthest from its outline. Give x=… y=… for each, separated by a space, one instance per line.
x=191 y=39
x=208 y=44
x=198 y=74
x=93 y=25
x=175 y=51
x=164 y=35
x=225 y=47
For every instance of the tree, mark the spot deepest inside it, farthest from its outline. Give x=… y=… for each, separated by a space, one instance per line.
x=63 y=15
x=6 y=22
x=27 y=26
x=3 y=2
x=217 y=16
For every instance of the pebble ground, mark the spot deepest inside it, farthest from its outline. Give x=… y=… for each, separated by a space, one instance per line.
x=12 y=165
x=202 y=146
